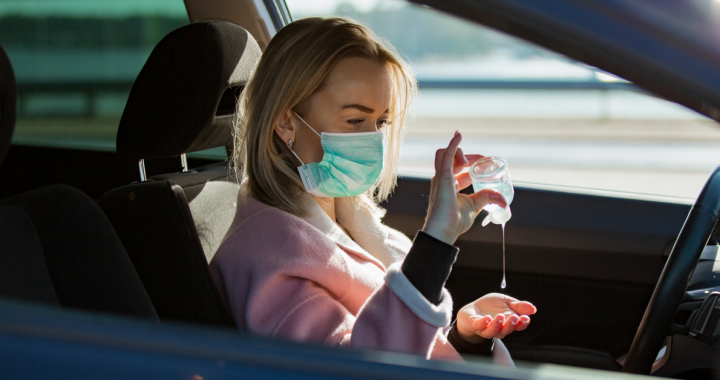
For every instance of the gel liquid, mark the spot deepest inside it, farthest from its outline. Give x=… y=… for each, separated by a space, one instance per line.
x=503 y=284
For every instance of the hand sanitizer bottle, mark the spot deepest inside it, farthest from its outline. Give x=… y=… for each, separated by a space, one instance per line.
x=493 y=173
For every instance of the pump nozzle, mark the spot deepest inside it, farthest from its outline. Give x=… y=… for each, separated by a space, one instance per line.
x=498 y=217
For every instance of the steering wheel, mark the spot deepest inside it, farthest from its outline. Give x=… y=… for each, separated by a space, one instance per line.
x=673 y=281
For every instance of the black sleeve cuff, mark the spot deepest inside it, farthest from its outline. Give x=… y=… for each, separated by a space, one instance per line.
x=428 y=264
x=462 y=346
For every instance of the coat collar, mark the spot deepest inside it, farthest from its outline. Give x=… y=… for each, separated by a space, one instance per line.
x=370 y=240
x=352 y=220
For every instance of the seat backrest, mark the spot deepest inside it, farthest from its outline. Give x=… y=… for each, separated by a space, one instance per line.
x=85 y=260
x=56 y=245
x=182 y=101
x=23 y=270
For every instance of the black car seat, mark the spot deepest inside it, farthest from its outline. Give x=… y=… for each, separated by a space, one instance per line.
x=56 y=245
x=182 y=101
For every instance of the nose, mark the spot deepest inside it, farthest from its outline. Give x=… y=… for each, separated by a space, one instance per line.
x=372 y=128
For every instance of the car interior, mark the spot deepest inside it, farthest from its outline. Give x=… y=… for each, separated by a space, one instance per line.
x=130 y=231
x=180 y=106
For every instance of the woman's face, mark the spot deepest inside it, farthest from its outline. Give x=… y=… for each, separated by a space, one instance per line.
x=356 y=98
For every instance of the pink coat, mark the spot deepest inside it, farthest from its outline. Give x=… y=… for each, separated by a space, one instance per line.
x=304 y=279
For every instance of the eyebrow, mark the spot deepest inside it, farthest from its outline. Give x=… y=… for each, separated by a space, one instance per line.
x=362 y=108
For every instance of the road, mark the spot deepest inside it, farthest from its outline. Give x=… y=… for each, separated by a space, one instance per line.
x=661 y=157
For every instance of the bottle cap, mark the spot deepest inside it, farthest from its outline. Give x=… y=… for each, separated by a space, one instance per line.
x=502 y=216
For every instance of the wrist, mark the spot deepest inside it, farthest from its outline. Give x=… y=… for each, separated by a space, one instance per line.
x=470 y=336
x=483 y=348
x=439 y=234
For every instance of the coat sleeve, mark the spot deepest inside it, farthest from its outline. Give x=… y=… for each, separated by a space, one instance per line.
x=385 y=322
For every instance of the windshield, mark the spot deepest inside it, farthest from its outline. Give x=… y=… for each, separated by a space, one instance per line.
x=556 y=121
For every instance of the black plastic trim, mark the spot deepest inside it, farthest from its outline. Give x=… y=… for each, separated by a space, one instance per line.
x=277 y=18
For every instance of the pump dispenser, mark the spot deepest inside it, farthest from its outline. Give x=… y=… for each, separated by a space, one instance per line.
x=493 y=173
x=498 y=217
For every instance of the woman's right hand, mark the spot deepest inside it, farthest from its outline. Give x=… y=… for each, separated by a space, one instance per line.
x=493 y=315
x=451 y=213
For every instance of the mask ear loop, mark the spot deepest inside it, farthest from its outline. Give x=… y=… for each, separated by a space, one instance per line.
x=305 y=122
x=289 y=145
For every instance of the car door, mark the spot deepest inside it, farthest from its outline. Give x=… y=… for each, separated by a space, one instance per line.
x=590 y=259
x=599 y=196
x=587 y=257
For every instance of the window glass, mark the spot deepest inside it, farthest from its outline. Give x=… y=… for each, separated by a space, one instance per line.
x=75 y=62
x=555 y=120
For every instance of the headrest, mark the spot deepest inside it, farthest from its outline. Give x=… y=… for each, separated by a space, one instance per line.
x=183 y=100
x=8 y=103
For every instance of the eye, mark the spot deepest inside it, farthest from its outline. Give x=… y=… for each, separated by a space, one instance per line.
x=383 y=123
x=356 y=122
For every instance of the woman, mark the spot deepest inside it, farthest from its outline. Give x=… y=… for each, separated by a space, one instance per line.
x=307 y=257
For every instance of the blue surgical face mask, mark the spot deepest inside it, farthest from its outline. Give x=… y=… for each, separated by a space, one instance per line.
x=350 y=166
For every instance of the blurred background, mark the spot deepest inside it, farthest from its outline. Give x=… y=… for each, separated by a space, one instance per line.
x=75 y=62
x=556 y=121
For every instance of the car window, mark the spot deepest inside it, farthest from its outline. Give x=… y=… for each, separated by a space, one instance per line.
x=75 y=62
x=556 y=121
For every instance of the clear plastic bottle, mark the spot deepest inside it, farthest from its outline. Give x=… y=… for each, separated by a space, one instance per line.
x=493 y=173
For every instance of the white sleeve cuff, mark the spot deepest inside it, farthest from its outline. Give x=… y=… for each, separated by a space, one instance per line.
x=436 y=315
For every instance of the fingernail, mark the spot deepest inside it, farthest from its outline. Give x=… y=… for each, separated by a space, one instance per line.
x=456 y=133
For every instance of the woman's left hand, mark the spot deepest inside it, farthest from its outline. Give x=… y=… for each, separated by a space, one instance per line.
x=493 y=315
x=451 y=213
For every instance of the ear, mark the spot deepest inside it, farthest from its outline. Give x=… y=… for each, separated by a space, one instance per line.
x=284 y=127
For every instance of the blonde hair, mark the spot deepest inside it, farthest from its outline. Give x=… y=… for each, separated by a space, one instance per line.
x=294 y=66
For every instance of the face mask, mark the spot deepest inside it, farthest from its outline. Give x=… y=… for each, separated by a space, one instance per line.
x=350 y=166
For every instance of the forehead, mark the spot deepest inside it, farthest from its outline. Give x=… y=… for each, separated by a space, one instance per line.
x=360 y=80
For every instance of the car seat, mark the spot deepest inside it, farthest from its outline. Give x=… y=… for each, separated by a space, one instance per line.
x=56 y=245
x=182 y=101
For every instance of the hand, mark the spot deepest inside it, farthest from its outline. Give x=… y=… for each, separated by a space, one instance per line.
x=493 y=315
x=451 y=213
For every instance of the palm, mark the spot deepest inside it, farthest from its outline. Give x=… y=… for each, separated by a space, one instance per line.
x=493 y=316
x=492 y=304
x=458 y=210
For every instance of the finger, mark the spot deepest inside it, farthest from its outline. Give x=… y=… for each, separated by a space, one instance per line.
x=485 y=196
x=509 y=325
x=459 y=161
x=439 y=154
x=463 y=180
x=471 y=158
x=523 y=324
x=460 y=156
x=523 y=307
x=495 y=326
x=449 y=154
x=479 y=324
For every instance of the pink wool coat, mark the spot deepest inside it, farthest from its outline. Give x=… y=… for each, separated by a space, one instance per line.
x=304 y=279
